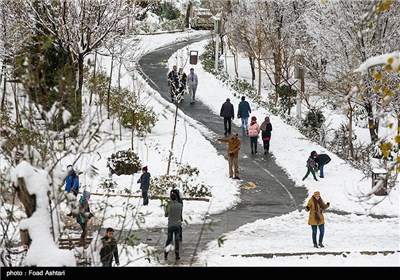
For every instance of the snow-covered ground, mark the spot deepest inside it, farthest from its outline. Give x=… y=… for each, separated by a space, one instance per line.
x=284 y=234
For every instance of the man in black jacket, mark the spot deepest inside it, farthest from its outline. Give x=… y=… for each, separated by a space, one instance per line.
x=228 y=113
x=321 y=160
x=109 y=250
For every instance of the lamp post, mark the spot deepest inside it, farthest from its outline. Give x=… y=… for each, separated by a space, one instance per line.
x=299 y=75
x=217 y=31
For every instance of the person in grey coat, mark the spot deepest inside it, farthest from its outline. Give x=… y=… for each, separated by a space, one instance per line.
x=228 y=113
x=174 y=213
x=244 y=111
x=192 y=82
x=144 y=182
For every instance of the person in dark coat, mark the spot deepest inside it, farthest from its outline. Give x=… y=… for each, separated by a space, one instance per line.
x=228 y=113
x=173 y=82
x=321 y=160
x=311 y=165
x=109 y=249
x=182 y=81
x=84 y=216
x=266 y=128
x=316 y=219
x=244 y=111
x=144 y=182
x=174 y=213
x=179 y=199
x=72 y=181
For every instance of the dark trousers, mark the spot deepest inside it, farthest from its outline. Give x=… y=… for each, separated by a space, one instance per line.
x=321 y=233
x=145 y=198
x=227 y=125
x=83 y=225
x=266 y=145
x=174 y=231
x=310 y=169
x=107 y=264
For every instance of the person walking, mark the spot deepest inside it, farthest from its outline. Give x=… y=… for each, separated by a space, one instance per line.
x=228 y=113
x=144 y=182
x=174 y=213
x=233 y=154
x=182 y=82
x=193 y=81
x=109 y=249
x=311 y=165
x=321 y=160
x=173 y=82
x=84 y=216
x=72 y=181
x=316 y=218
x=244 y=111
x=254 y=131
x=179 y=199
x=266 y=128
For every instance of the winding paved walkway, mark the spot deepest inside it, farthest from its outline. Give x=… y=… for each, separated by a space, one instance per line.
x=275 y=194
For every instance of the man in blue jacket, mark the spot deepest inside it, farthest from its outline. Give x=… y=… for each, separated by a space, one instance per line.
x=144 y=182
x=244 y=111
x=72 y=181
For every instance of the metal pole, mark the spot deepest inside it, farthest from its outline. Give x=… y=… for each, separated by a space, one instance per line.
x=216 y=49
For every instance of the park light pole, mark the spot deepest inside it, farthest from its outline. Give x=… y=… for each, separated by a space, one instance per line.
x=217 y=31
x=299 y=75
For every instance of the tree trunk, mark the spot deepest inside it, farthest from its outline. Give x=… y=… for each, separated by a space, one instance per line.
x=350 y=138
x=259 y=75
x=371 y=123
x=4 y=79
x=94 y=76
x=109 y=87
x=173 y=140
x=253 y=72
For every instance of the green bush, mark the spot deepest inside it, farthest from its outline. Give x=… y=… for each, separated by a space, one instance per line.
x=313 y=122
x=124 y=163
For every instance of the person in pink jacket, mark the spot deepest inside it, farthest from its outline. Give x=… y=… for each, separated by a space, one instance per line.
x=254 y=131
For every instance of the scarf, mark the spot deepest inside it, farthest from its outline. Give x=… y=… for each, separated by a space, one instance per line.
x=316 y=212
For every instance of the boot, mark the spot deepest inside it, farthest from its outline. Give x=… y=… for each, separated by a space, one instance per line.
x=315 y=245
x=177 y=257
x=165 y=255
x=321 y=245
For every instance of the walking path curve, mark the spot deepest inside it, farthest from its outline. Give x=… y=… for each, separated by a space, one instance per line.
x=275 y=194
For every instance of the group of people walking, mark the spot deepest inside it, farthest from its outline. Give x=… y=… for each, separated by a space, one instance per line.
x=179 y=82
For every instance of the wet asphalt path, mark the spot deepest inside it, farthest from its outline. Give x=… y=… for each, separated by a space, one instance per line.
x=275 y=194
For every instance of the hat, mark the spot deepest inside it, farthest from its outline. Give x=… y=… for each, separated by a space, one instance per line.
x=228 y=99
x=314 y=154
x=253 y=118
x=144 y=168
x=317 y=193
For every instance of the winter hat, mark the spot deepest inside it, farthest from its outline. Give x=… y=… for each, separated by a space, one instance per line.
x=314 y=154
x=316 y=193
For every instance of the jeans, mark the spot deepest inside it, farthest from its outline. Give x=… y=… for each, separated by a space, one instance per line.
x=321 y=233
x=253 y=144
x=145 y=198
x=192 y=92
x=321 y=170
x=245 y=125
x=174 y=231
